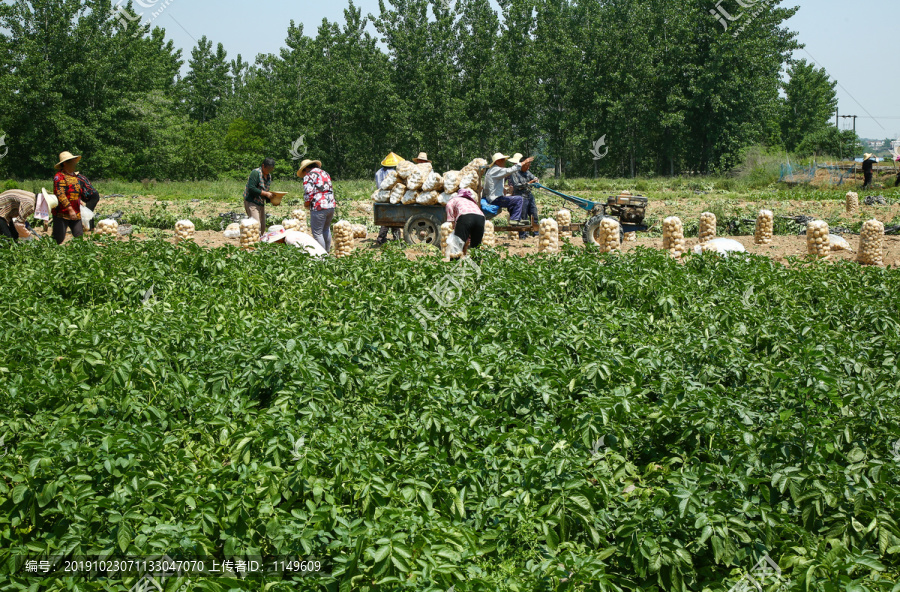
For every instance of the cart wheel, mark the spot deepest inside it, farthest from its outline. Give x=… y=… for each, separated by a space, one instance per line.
x=422 y=228
x=590 y=232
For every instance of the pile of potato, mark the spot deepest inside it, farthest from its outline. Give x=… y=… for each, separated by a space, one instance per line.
x=291 y=224
x=249 y=233
x=490 y=238
x=563 y=218
x=630 y=237
x=232 y=231
x=817 y=242
x=451 y=181
x=609 y=235
x=871 y=243
x=765 y=228
x=419 y=184
x=549 y=238
x=446 y=231
x=300 y=216
x=852 y=203
x=673 y=236
x=184 y=231
x=343 y=239
x=108 y=227
x=707 y=227
x=359 y=231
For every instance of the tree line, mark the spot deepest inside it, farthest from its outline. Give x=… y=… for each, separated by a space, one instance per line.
x=592 y=87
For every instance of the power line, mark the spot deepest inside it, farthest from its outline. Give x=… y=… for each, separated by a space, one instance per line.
x=845 y=90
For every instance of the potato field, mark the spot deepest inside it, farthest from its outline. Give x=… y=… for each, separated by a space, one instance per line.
x=578 y=421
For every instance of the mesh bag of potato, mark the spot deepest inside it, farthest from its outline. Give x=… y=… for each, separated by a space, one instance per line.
x=108 y=227
x=359 y=231
x=444 y=198
x=300 y=216
x=451 y=181
x=405 y=168
x=765 y=228
x=817 y=242
x=184 y=231
x=852 y=202
x=490 y=237
x=446 y=230
x=290 y=224
x=608 y=239
x=548 y=241
x=249 y=233
x=563 y=218
x=343 y=239
x=630 y=237
x=390 y=179
x=673 y=236
x=397 y=193
x=871 y=243
x=707 y=227
x=433 y=182
x=409 y=197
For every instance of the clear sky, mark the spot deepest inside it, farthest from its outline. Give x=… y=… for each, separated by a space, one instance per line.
x=859 y=47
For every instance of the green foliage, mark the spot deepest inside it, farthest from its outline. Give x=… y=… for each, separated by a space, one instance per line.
x=578 y=423
x=809 y=104
x=831 y=141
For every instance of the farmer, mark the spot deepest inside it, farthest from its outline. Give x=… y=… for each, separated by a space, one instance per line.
x=897 y=182
x=493 y=187
x=69 y=194
x=868 y=163
x=16 y=207
x=388 y=164
x=318 y=196
x=463 y=209
x=521 y=184
x=421 y=158
x=257 y=194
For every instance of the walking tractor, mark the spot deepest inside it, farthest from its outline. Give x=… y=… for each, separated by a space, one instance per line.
x=422 y=224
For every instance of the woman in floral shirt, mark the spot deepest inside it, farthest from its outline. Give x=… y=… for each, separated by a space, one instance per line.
x=319 y=199
x=67 y=215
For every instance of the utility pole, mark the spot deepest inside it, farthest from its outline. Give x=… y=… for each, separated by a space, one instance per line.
x=849 y=117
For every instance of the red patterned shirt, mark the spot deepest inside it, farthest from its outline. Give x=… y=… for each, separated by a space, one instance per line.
x=318 y=190
x=68 y=192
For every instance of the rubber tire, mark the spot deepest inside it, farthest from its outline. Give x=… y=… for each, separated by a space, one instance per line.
x=592 y=226
x=422 y=228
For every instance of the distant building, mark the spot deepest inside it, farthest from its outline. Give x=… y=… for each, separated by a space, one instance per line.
x=895 y=145
x=875 y=143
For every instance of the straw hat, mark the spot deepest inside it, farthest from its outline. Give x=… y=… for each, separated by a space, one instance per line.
x=391 y=160
x=498 y=156
x=276 y=198
x=51 y=200
x=516 y=158
x=422 y=157
x=306 y=163
x=66 y=156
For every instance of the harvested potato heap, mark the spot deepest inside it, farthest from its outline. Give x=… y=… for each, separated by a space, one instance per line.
x=409 y=197
x=673 y=236
x=609 y=235
x=549 y=239
x=428 y=198
x=184 y=231
x=472 y=174
x=300 y=216
x=404 y=169
x=359 y=231
x=489 y=239
x=630 y=237
x=765 y=228
x=390 y=179
x=563 y=217
x=852 y=202
x=381 y=195
x=433 y=182
x=417 y=177
x=343 y=239
x=707 y=227
x=871 y=243
x=108 y=227
x=817 y=242
x=446 y=231
x=249 y=233
x=232 y=231
x=291 y=224
x=451 y=181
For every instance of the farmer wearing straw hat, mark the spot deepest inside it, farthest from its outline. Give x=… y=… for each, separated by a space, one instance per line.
x=69 y=193
x=422 y=157
x=16 y=207
x=257 y=194
x=318 y=196
x=521 y=185
x=868 y=163
x=493 y=187
x=389 y=163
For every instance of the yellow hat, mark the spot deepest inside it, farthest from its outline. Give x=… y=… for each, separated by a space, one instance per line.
x=391 y=160
x=422 y=157
x=306 y=163
x=66 y=156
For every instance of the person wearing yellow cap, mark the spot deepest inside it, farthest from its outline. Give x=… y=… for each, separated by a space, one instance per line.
x=389 y=163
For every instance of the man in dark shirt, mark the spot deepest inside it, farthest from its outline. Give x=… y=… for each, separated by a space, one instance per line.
x=868 y=163
x=521 y=183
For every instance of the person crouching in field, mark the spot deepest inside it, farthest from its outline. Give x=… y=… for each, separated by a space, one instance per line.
x=464 y=211
x=69 y=194
x=318 y=197
x=16 y=207
x=257 y=194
